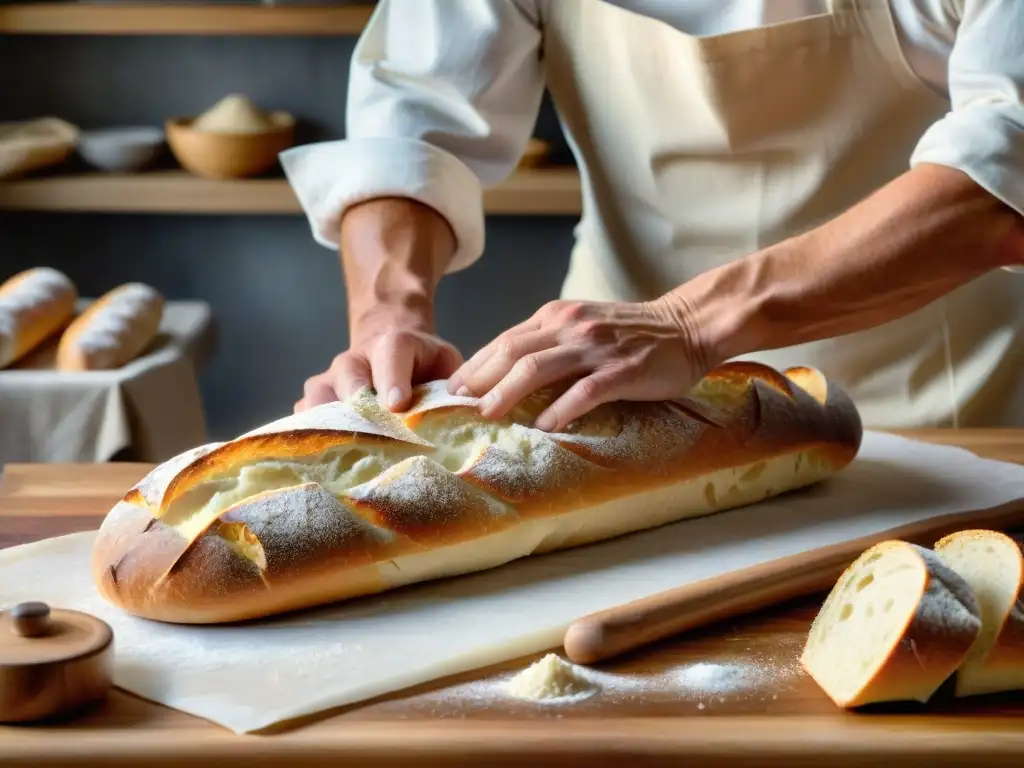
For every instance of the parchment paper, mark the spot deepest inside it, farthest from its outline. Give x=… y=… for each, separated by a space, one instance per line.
x=249 y=677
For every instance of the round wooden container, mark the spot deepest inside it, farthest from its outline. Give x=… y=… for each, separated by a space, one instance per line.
x=535 y=155
x=52 y=662
x=229 y=155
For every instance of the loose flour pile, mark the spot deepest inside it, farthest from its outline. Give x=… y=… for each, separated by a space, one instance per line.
x=755 y=681
x=551 y=679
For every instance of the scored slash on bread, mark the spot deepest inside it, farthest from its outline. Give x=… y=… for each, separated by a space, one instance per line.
x=993 y=565
x=895 y=626
x=349 y=499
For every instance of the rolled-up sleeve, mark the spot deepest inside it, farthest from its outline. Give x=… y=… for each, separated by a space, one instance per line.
x=983 y=134
x=443 y=96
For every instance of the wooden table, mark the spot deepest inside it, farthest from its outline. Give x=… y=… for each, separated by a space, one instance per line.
x=777 y=719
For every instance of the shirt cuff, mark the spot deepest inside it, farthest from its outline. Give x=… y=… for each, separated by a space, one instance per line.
x=985 y=142
x=330 y=177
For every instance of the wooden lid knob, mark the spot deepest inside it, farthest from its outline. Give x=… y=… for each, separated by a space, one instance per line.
x=51 y=661
x=31 y=619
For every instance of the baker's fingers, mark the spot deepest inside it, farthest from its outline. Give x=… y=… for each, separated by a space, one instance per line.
x=392 y=362
x=457 y=380
x=509 y=346
x=443 y=364
x=482 y=375
x=350 y=372
x=317 y=391
x=529 y=374
x=601 y=386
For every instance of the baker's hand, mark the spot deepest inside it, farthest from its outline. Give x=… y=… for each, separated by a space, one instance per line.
x=390 y=358
x=613 y=351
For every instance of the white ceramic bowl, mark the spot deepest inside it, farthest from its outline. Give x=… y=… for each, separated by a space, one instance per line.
x=121 y=150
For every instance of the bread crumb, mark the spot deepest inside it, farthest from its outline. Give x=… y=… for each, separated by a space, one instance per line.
x=550 y=679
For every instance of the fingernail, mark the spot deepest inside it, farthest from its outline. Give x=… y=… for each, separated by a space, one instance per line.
x=394 y=397
x=489 y=401
x=463 y=391
x=545 y=422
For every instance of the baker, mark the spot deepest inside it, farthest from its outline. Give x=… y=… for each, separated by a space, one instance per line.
x=833 y=183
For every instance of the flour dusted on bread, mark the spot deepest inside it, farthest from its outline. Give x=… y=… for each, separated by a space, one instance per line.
x=113 y=331
x=349 y=499
x=992 y=564
x=895 y=626
x=34 y=305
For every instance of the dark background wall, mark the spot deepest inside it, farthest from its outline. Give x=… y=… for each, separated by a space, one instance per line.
x=277 y=297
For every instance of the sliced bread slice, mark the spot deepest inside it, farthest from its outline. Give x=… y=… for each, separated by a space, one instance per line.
x=895 y=626
x=992 y=563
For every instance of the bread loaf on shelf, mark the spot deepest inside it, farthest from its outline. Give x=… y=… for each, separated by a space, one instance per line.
x=895 y=626
x=348 y=499
x=113 y=330
x=34 y=305
x=992 y=563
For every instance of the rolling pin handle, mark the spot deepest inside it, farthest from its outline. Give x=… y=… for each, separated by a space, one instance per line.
x=31 y=619
x=585 y=640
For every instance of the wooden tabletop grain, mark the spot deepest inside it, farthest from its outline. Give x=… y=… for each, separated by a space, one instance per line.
x=731 y=694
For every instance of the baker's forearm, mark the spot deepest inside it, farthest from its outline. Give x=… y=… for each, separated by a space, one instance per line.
x=912 y=242
x=394 y=252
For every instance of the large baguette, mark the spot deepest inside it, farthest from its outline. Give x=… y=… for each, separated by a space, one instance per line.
x=113 y=331
x=34 y=305
x=348 y=499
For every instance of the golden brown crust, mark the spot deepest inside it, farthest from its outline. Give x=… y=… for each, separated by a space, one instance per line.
x=1008 y=651
x=934 y=643
x=113 y=330
x=1002 y=667
x=34 y=305
x=348 y=499
x=927 y=649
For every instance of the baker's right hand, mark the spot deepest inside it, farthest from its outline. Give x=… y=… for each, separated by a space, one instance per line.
x=391 y=359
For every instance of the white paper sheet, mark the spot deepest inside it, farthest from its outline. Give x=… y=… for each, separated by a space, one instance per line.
x=247 y=678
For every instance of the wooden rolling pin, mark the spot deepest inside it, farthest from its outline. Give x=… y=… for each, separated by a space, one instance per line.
x=624 y=628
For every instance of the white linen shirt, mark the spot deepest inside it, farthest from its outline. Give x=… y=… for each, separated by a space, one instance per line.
x=444 y=94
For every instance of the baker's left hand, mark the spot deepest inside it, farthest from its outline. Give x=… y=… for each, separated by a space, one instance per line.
x=610 y=350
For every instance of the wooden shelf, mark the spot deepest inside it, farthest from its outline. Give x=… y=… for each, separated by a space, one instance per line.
x=535 y=192
x=181 y=19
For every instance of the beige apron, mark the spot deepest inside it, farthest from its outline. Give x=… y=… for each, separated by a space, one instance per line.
x=698 y=151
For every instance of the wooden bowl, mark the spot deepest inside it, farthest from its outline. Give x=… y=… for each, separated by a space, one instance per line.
x=535 y=155
x=229 y=155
